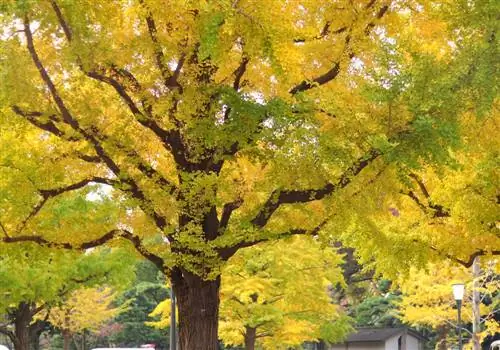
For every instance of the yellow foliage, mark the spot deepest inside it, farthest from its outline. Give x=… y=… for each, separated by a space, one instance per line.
x=428 y=300
x=85 y=309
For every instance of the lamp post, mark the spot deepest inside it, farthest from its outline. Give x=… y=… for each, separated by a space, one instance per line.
x=458 y=294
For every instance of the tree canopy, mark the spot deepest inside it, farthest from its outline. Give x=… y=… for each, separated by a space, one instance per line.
x=194 y=129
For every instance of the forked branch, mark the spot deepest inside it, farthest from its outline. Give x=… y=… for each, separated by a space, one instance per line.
x=334 y=71
x=145 y=204
x=439 y=211
x=47 y=194
x=100 y=75
x=227 y=211
x=226 y=253
x=280 y=197
x=170 y=80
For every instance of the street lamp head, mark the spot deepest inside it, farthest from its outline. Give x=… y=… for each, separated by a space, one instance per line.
x=458 y=291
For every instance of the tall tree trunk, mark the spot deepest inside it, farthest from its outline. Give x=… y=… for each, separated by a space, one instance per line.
x=66 y=339
x=442 y=338
x=250 y=337
x=22 y=320
x=476 y=300
x=35 y=331
x=84 y=340
x=76 y=341
x=198 y=305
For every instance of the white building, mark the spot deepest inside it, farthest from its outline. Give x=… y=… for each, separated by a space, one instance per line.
x=382 y=339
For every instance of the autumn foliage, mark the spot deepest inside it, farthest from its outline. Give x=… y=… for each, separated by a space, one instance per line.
x=194 y=129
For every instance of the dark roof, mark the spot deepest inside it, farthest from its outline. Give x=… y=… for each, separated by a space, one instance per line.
x=378 y=334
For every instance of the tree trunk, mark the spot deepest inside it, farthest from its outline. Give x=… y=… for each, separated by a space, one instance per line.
x=66 y=339
x=35 y=331
x=198 y=305
x=442 y=338
x=476 y=301
x=250 y=337
x=76 y=341
x=22 y=320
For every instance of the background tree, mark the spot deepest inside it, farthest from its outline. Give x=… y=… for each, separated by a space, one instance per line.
x=427 y=299
x=378 y=307
x=145 y=294
x=85 y=309
x=216 y=125
x=35 y=279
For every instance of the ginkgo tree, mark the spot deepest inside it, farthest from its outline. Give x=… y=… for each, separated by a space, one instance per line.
x=276 y=295
x=84 y=309
x=35 y=279
x=194 y=129
x=427 y=299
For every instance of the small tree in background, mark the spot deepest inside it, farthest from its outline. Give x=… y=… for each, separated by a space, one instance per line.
x=85 y=309
x=35 y=279
x=427 y=299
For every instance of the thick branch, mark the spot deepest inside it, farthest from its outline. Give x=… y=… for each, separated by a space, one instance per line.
x=67 y=117
x=116 y=233
x=226 y=253
x=169 y=80
x=60 y=17
x=34 y=118
x=227 y=210
x=470 y=259
x=238 y=73
x=48 y=193
x=178 y=69
x=280 y=197
x=322 y=79
x=145 y=204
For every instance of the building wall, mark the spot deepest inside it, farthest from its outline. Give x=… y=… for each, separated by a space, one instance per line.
x=392 y=342
x=412 y=343
x=358 y=346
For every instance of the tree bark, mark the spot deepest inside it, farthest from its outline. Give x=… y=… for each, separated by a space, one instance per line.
x=198 y=305
x=476 y=301
x=66 y=339
x=35 y=331
x=250 y=337
x=442 y=338
x=22 y=320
